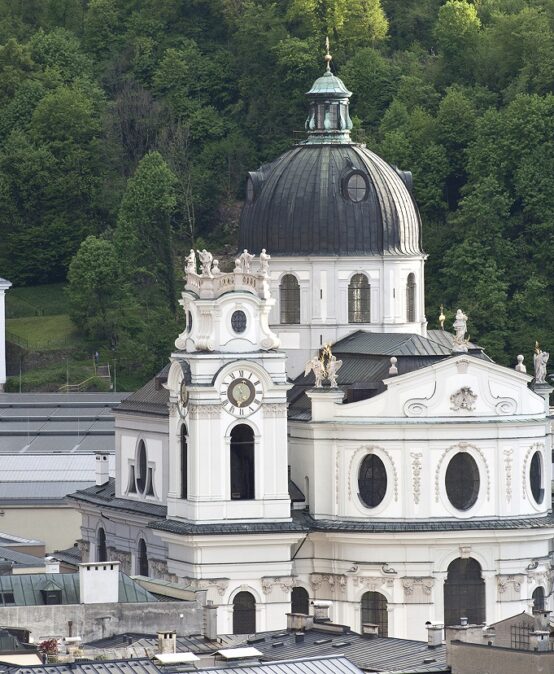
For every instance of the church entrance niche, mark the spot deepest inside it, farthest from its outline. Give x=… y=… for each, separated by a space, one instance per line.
x=184 y=462
x=142 y=558
x=101 y=549
x=242 y=463
x=464 y=593
x=300 y=601
x=538 y=599
x=244 y=613
x=374 y=611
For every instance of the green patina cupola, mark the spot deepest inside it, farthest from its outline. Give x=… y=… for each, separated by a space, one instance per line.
x=328 y=120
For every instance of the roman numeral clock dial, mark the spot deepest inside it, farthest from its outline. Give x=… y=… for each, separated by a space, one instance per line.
x=241 y=393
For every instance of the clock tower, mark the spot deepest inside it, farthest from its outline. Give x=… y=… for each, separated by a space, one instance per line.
x=227 y=386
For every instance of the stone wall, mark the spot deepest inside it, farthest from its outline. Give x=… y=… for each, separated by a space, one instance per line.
x=476 y=659
x=96 y=621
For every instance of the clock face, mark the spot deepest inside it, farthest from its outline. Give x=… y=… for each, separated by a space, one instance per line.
x=241 y=393
x=183 y=399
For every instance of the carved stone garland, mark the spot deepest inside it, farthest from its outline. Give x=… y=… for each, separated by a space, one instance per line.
x=416 y=475
x=333 y=580
x=461 y=446
x=370 y=449
x=508 y=464
x=286 y=583
x=536 y=447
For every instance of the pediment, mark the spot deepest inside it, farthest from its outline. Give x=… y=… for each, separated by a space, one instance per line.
x=459 y=387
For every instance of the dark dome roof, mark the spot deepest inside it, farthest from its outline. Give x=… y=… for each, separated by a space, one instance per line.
x=300 y=204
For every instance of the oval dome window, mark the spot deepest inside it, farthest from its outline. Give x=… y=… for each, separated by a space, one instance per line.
x=356 y=187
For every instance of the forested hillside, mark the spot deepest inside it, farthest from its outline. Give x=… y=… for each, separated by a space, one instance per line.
x=127 y=128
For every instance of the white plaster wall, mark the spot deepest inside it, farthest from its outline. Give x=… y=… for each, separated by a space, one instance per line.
x=4 y=285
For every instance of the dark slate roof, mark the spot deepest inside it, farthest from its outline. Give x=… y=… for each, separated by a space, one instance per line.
x=104 y=496
x=322 y=664
x=26 y=588
x=228 y=528
x=52 y=423
x=151 y=399
x=371 y=654
x=195 y=643
x=136 y=666
x=299 y=207
x=69 y=555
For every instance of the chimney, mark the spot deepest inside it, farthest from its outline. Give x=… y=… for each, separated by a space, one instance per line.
x=299 y=622
x=539 y=640
x=463 y=621
x=434 y=634
x=370 y=630
x=542 y=619
x=321 y=610
x=210 y=620
x=102 y=468
x=167 y=642
x=99 y=582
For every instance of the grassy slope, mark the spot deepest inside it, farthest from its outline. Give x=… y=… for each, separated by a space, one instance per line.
x=45 y=332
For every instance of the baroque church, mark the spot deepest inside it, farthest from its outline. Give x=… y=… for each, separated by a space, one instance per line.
x=413 y=486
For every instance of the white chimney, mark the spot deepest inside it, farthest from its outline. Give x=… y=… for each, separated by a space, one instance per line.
x=539 y=640
x=434 y=634
x=321 y=609
x=102 y=468
x=99 y=582
x=370 y=630
x=167 y=642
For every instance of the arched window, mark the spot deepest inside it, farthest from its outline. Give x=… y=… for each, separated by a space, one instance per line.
x=372 y=481
x=374 y=611
x=141 y=470
x=244 y=613
x=101 y=549
x=242 y=463
x=142 y=558
x=300 y=601
x=359 y=302
x=535 y=477
x=289 y=300
x=411 y=299
x=464 y=592
x=462 y=481
x=538 y=599
x=184 y=462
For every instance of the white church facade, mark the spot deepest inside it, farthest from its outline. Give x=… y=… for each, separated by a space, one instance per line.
x=418 y=489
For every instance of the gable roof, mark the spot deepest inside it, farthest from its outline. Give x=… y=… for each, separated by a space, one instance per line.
x=151 y=399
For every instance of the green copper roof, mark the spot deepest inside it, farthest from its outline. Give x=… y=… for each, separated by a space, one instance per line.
x=329 y=85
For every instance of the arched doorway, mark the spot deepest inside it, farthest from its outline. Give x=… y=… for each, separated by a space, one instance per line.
x=464 y=592
x=142 y=558
x=242 y=463
x=101 y=549
x=244 y=613
x=300 y=601
x=374 y=611
x=538 y=599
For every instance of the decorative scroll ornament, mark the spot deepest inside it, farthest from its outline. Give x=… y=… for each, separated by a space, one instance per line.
x=285 y=583
x=335 y=581
x=464 y=399
x=324 y=366
x=219 y=584
x=424 y=585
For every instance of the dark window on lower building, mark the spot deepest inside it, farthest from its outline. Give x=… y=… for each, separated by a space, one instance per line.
x=535 y=477
x=464 y=593
x=462 y=481
x=538 y=599
x=300 y=601
x=374 y=611
x=141 y=467
x=411 y=299
x=8 y=598
x=359 y=299
x=372 y=481
x=244 y=613
x=289 y=300
x=142 y=558
x=101 y=549
x=184 y=462
x=242 y=463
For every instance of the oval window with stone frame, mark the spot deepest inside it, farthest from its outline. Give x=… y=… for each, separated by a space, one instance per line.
x=238 y=321
x=462 y=481
x=356 y=187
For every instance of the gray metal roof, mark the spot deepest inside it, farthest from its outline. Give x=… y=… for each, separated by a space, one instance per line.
x=137 y=666
x=70 y=555
x=371 y=654
x=104 y=496
x=323 y=664
x=38 y=493
x=152 y=398
x=227 y=528
x=300 y=207
x=197 y=644
x=20 y=558
x=26 y=588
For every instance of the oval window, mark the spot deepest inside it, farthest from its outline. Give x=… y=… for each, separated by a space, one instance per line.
x=238 y=321
x=535 y=477
x=249 y=190
x=462 y=481
x=372 y=481
x=356 y=187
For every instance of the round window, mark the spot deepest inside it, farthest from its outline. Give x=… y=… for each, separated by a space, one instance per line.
x=462 y=481
x=249 y=190
x=238 y=321
x=372 y=481
x=356 y=187
x=535 y=477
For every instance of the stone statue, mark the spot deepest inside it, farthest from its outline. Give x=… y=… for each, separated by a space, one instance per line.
x=245 y=261
x=442 y=317
x=264 y=262
x=460 y=326
x=540 y=359
x=206 y=262
x=393 y=370
x=333 y=366
x=216 y=271
x=238 y=266
x=318 y=369
x=190 y=266
x=520 y=367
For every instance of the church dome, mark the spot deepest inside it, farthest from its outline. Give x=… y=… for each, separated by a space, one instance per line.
x=328 y=195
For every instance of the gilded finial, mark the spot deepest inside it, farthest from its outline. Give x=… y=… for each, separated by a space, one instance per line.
x=442 y=317
x=328 y=57
x=537 y=347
